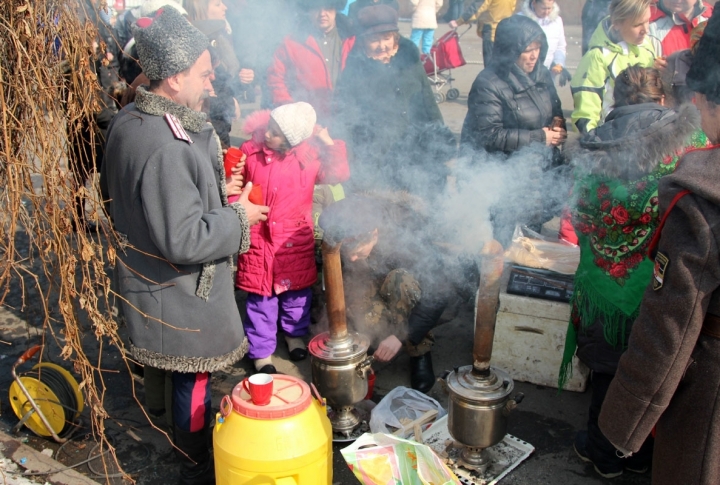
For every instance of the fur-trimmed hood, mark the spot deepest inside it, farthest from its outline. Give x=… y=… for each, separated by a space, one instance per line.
x=529 y=12
x=633 y=140
x=256 y=124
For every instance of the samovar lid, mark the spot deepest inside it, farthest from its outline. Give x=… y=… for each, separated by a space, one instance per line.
x=325 y=348
x=494 y=387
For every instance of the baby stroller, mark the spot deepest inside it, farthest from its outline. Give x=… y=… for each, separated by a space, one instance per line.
x=444 y=56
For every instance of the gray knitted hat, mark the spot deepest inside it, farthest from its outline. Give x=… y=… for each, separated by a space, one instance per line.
x=167 y=44
x=296 y=121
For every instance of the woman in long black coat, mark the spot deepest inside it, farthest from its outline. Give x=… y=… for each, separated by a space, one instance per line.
x=513 y=101
x=385 y=110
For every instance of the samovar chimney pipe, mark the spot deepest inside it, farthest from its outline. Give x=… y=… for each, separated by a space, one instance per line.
x=491 y=268
x=334 y=291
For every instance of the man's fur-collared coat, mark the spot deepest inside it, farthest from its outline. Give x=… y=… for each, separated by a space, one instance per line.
x=174 y=267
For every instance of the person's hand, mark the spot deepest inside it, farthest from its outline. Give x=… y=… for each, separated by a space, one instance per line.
x=387 y=349
x=237 y=170
x=453 y=24
x=554 y=137
x=660 y=63
x=564 y=77
x=324 y=136
x=247 y=76
x=255 y=213
x=233 y=186
x=234 y=183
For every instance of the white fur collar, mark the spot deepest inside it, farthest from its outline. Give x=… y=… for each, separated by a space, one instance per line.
x=529 y=12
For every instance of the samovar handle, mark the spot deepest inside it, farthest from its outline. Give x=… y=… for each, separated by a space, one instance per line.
x=513 y=403
x=363 y=367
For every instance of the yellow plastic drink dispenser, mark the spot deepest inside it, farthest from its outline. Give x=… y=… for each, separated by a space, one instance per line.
x=287 y=442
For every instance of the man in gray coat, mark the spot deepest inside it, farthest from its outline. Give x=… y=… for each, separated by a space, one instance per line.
x=178 y=236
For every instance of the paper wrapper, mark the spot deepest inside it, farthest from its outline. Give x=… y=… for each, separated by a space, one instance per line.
x=530 y=249
x=382 y=459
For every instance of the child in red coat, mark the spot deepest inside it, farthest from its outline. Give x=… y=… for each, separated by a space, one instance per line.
x=286 y=157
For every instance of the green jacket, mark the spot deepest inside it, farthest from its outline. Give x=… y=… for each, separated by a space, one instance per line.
x=594 y=80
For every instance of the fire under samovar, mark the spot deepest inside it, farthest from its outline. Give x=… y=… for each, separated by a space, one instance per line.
x=339 y=359
x=480 y=402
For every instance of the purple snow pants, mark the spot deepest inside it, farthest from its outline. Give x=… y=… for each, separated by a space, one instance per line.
x=292 y=308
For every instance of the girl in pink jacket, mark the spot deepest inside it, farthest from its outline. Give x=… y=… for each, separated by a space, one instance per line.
x=286 y=157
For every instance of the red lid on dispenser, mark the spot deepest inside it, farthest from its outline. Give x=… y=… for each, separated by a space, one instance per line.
x=291 y=396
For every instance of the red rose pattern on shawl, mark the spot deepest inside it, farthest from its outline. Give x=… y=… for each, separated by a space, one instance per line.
x=620 y=230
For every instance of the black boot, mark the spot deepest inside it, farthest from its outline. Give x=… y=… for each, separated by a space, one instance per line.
x=422 y=376
x=197 y=467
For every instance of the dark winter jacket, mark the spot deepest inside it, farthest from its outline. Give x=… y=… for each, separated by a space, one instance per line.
x=670 y=375
x=635 y=141
x=383 y=111
x=89 y=12
x=93 y=129
x=226 y=85
x=592 y=14
x=299 y=72
x=127 y=56
x=403 y=243
x=259 y=26
x=166 y=183
x=507 y=108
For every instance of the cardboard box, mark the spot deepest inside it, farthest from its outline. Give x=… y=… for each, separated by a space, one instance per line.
x=530 y=339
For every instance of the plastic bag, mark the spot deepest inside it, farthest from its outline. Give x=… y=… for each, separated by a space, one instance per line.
x=402 y=403
x=381 y=459
x=533 y=250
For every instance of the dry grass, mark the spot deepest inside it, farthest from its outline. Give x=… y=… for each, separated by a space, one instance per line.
x=48 y=90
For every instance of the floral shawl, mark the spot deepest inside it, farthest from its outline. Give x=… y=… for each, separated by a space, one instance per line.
x=615 y=220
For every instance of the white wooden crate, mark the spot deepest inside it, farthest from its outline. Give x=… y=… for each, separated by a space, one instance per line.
x=530 y=339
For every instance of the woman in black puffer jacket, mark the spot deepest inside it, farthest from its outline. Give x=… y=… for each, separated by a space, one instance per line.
x=513 y=101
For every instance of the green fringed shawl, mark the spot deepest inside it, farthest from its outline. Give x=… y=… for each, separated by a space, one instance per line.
x=615 y=221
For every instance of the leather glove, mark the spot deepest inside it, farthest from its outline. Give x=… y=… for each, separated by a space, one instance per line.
x=563 y=74
x=565 y=77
